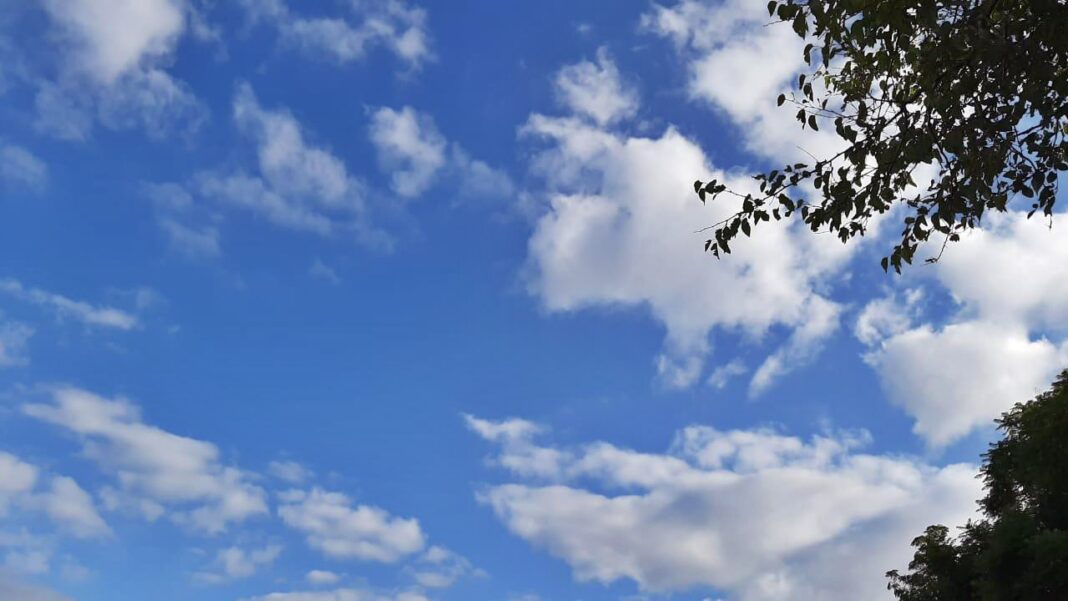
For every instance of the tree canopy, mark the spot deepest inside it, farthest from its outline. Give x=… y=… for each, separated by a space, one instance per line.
x=975 y=89
x=1020 y=549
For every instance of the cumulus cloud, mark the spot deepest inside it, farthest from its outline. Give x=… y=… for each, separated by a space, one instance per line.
x=341 y=594
x=757 y=513
x=116 y=36
x=723 y=374
x=68 y=308
x=1029 y=253
x=801 y=348
x=155 y=470
x=339 y=529
x=416 y=155
x=70 y=506
x=13 y=338
x=324 y=272
x=289 y=471
x=963 y=375
x=518 y=452
x=616 y=233
x=16 y=478
x=738 y=64
x=111 y=69
x=322 y=577
x=21 y=168
x=191 y=240
x=234 y=563
x=297 y=185
x=14 y=588
x=596 y=90
x=1003 y=344
x=301 y=186
x=409 y=146
x=887 y=316
x=395 y=25
x=439 y=567
x=64 y=502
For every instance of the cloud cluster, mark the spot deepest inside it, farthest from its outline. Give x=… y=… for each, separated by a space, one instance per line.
x=342 y=594
x=416 y=155
x=20 y=168
x=738 y=64
x=14 y=336
x=391 y=24
x=296 y=185
x=112 y=61
x=233 y=563
x=596 y=90
x=617 y=231
x=440 y=568
x=67 y=308
x=337 y=528
x=13 y=588
x=754 y=512
x=156 y=472
x=1004 y=343
x=62 y=500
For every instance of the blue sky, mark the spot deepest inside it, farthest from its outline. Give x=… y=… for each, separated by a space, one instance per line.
x=387 y=300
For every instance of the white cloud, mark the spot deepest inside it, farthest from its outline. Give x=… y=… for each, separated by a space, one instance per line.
x=1004 y=343
x=962 y=376
x=439 y=567
x=299 y=186
x=341 y=594
x=110 y=69
x=618 y=233
x=234 y=563
x=324 y=272
x=723 y=374
x=753 y=512
x=20 y=167
x=391 y=24
x=289 y=471
x=153 y=101
x=13 y=588
x=519 y=454
x=801 y=348
x=28 y=561
x=153 y=467
x=410 y=147
x=1021 y=261
x=338 y=529
x=70 y=506
x=416 y=155
x=16 y=478
x=13 y=338
x=322 y=577
x=67 y=308
x=64 y=502
x=738 y=63
x=190 y=240
x=596 y=90
x=885 y=317
x=113 y=37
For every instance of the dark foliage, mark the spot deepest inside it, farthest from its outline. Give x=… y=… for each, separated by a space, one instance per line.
x=1019 y=551
x=976 y=88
